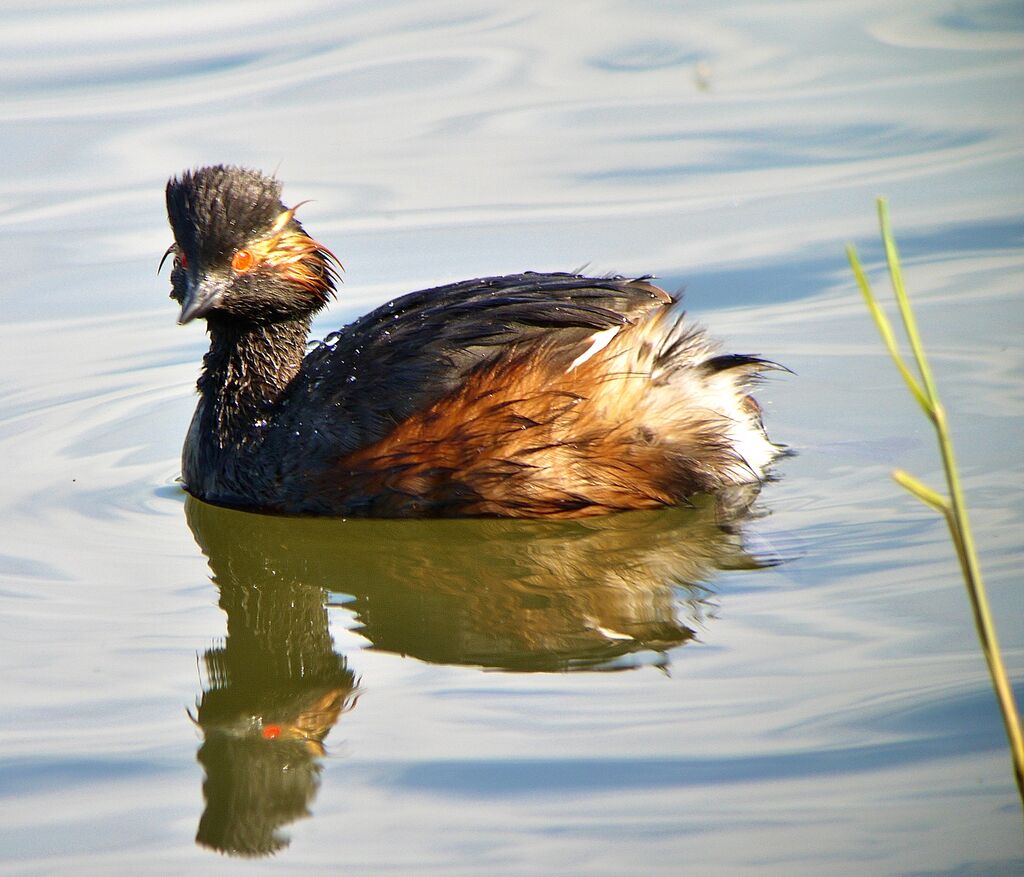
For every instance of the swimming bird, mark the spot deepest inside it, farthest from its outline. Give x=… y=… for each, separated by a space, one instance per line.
x=527 y=395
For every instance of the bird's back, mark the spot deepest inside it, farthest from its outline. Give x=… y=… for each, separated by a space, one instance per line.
x=413 y=351
x=525 y=395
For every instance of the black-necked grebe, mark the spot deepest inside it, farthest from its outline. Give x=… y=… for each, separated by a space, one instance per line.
x=530 y=395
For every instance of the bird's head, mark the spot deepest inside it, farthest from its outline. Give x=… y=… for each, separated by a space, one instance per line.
x=239 y=252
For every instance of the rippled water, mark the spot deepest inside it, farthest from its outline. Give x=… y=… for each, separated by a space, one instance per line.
x=800 y=688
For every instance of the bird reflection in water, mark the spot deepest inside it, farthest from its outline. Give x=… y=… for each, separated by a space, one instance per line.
x=598 y=593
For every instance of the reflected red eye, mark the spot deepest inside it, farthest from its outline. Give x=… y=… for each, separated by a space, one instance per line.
x=243 y=261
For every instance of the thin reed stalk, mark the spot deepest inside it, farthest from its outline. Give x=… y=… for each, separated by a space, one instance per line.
x=951 y=507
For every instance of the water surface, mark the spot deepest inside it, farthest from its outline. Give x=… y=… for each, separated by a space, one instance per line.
x=786 y=683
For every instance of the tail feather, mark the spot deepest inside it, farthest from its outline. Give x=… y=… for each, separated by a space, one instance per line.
x=689 y=374
x=746 y=363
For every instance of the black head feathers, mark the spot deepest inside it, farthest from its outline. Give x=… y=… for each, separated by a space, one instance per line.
x=215 y=210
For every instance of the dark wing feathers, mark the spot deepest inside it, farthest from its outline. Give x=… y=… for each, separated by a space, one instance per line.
x=410 y=352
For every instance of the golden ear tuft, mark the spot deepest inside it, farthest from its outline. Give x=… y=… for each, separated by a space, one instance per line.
x=284 y=217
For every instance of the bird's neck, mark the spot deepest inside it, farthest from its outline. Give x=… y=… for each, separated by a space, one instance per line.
x=244 y=374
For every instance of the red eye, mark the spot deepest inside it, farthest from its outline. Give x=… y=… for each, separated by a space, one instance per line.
x=243 y=261
x=183 y=259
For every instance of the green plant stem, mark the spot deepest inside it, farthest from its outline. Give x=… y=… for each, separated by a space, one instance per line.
x=963 y=538
x=885 y=328
x=952 y=508
x=892 y=257
x=928 y=496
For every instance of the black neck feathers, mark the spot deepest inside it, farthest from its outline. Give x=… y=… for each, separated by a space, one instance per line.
x=245 y=372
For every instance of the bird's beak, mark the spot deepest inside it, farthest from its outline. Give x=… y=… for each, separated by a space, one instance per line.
x=200 y=296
